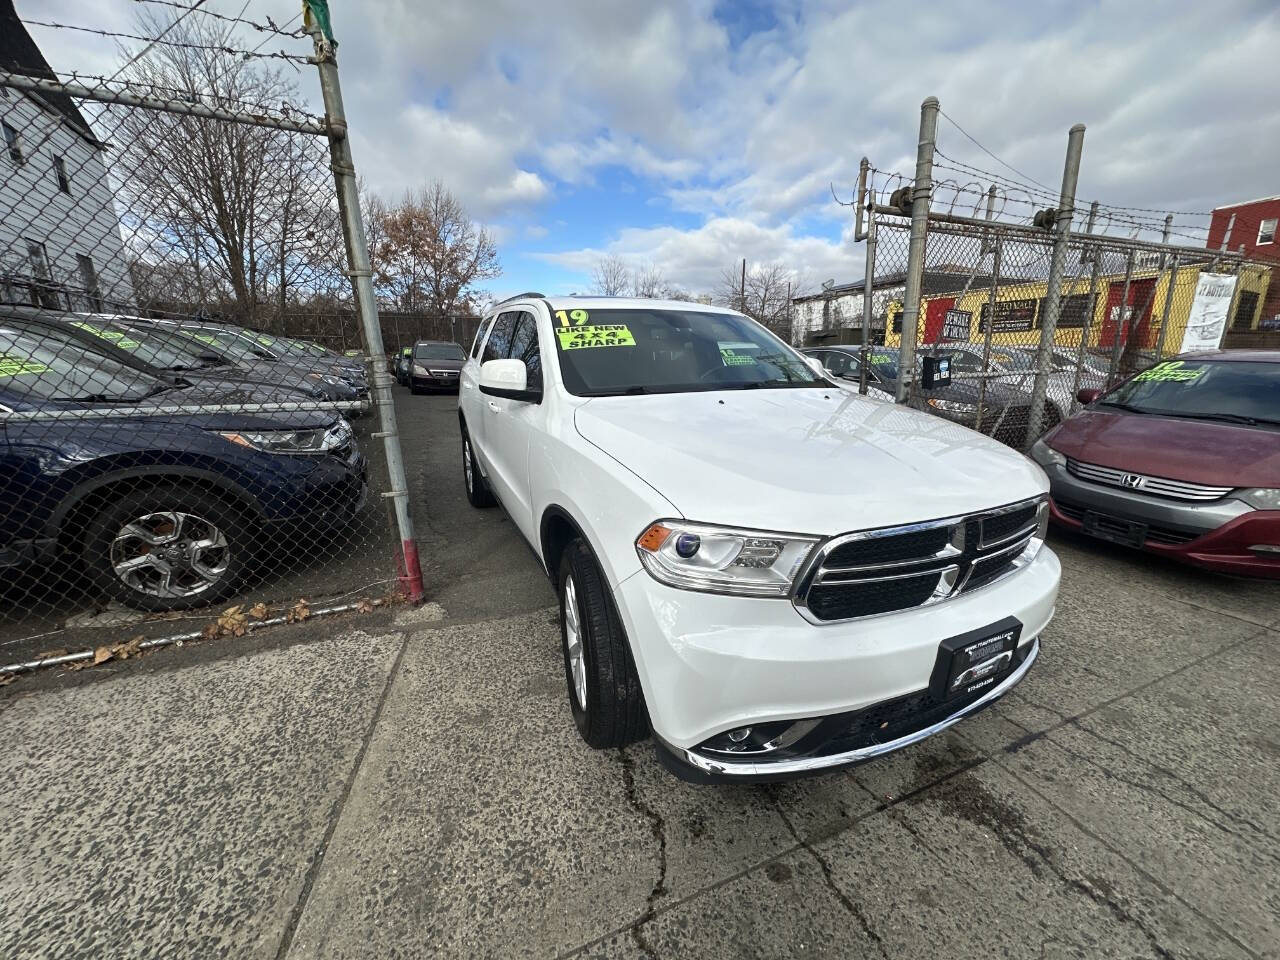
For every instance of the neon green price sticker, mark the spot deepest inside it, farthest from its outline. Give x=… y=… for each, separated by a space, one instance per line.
x=112 y=336
x=204 y=338
x=597 y=335
x=881 y=358
x=1171 y=371
x=733 y=359
x=16 y=366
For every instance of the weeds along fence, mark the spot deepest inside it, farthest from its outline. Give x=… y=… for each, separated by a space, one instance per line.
x=177 y=427
x=1031 y=299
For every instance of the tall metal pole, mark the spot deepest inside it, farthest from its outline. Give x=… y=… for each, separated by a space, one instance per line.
x=1053 y=295
x=742 y=290
x=1095 y=255
x=344 y=175
x=996 y=255
x=920 y=194
x=1122 y=321
x=868 y=302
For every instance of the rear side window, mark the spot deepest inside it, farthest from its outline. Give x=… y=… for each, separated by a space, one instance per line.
x=499 y=342
x=524 y=346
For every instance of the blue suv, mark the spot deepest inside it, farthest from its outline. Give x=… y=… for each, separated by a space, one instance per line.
x=164 y=506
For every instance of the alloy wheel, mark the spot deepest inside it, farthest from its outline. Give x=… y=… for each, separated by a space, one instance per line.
x=573 y=643
x=170 y=555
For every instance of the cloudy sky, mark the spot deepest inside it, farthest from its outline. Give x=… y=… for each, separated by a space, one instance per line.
x=689 y=135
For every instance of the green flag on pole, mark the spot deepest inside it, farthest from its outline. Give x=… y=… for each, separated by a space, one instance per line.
x=318 y=11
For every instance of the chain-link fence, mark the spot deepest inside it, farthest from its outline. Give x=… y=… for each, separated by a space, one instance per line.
x=188 y=386
x=1030 y=316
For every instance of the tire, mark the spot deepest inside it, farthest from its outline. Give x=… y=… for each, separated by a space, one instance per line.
x=210 y=541
x=414 y=388
x=604 y=689
x=478 y=492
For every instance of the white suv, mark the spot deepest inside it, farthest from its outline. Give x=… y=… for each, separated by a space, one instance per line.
x=771 y=575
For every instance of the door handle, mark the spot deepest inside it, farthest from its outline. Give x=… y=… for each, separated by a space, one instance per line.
x=494 y=407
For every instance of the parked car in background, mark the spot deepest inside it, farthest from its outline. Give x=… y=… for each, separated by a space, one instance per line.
x=403 y=364
x=435 y=366
x=159 y=512
x=1006 y=406
x=1181 y=460
x=774 y=576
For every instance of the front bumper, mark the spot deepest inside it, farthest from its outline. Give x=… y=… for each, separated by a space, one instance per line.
x=1216 y=535
x=712 y=663
x=435 y=382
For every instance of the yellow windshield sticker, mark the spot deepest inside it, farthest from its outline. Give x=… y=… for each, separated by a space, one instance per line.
x=598 y=335
x=204 y=338
x=575 y=317
x=114 y=336
x=732 y=358
x=1171 y=371
x=881 y=358
x=16 y=366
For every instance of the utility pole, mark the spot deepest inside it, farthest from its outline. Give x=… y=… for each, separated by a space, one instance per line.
x=742 y=290
x=1053 y=295
x=921 y=191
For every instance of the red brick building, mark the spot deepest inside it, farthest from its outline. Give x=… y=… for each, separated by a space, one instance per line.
x=1251 y=227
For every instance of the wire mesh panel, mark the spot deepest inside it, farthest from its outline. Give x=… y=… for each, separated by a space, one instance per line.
x=184 y=388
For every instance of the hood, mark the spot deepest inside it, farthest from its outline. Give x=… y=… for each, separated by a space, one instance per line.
x=1195 y=451
x=804 y=460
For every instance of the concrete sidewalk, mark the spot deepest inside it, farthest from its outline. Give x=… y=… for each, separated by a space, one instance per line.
x=422 y=793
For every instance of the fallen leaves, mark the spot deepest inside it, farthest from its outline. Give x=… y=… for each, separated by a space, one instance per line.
x=233 y=622
x=259 y=611
x=364 y=605
x=299 y=612
x=115 y=651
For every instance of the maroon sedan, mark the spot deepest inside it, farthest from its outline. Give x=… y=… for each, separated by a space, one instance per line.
x=1182 y=459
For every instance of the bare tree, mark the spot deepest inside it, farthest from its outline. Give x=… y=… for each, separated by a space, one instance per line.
x=765 y=296
x=649 y=281
x=232 y=206
x=428 y=254
x=610 y=277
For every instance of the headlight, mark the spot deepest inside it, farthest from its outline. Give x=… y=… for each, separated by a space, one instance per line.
x=693 y=556
x=325 y=378
x=1260 y=498
x=419 y=370
x=292 y=441
x=952 y=406
x=1046 y=456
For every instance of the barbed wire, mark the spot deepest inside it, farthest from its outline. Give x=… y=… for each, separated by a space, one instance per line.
x=269 y=27
x=163 y=33
x=989 y=153
x=217 y=48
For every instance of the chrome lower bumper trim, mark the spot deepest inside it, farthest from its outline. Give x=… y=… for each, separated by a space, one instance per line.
x=777 y=768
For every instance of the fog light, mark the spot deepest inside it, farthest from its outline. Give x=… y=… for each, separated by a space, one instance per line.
x=737 y=736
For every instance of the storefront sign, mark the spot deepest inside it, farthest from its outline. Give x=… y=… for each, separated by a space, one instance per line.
x=1012 y=316
x=1208 y=319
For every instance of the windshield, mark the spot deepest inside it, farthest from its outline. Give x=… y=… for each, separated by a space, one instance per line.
x=605 y=352
x=40 y=365
x=1207 y=389
x=1013 y=359
x=167 y=353
x=438 y=351
x=226 y=341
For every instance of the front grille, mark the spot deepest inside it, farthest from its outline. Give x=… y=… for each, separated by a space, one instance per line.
x=844 y=601
x=888 y=549
x=1165 y=536
x=1140 y=483
x=896 y=568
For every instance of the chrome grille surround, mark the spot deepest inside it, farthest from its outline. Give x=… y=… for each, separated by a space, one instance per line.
x=966 y=548
x=1141 y=483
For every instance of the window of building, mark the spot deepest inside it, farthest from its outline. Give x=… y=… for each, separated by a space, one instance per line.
x=1267 y=231
x=60 y=171
x=13 y=143
x=89 y=280
x=39 y=258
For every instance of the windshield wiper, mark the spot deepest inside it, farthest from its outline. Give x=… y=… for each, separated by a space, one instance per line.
x=1120 y=405
x=619 y=392
x=780 y=382
x=1225 y=418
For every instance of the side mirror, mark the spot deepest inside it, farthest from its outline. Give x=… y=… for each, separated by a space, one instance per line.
x=1087 y=395
x=817 y=366
x=508 y=379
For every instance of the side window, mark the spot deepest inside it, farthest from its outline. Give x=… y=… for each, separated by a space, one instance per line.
x=499 y=342
x=840 y=364
x=480 y=332
x=964 y=362
x=524 y=346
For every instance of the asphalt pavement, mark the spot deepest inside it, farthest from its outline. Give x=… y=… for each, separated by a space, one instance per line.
x=409 y=783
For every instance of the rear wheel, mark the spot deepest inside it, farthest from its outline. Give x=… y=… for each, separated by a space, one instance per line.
x=167 y=548
x=604 y=689
x=478 y=493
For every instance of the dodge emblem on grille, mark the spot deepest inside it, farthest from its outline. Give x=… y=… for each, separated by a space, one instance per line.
x=1132 y=480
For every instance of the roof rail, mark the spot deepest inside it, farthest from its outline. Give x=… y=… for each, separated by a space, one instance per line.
x=522 y=296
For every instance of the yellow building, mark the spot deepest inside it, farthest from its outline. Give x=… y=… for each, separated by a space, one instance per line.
x=1019 y=309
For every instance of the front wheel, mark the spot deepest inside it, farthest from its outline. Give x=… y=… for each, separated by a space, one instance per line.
x=604 y=689
x=478 y=493
x=167 y=548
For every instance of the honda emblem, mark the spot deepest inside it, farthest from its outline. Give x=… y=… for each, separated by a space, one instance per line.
x=1132 y=480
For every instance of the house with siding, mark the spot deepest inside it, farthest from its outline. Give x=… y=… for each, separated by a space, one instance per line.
x=60 y=237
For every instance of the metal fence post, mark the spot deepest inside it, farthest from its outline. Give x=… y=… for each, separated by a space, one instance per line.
x=361 y=272
x=1053 y=294
x=997 y=252
x=868 y=300
x=1121 y=320
x=920 y=194
x=1095 y=256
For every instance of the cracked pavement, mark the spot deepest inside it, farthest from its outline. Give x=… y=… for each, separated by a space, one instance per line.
x=399 y=787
